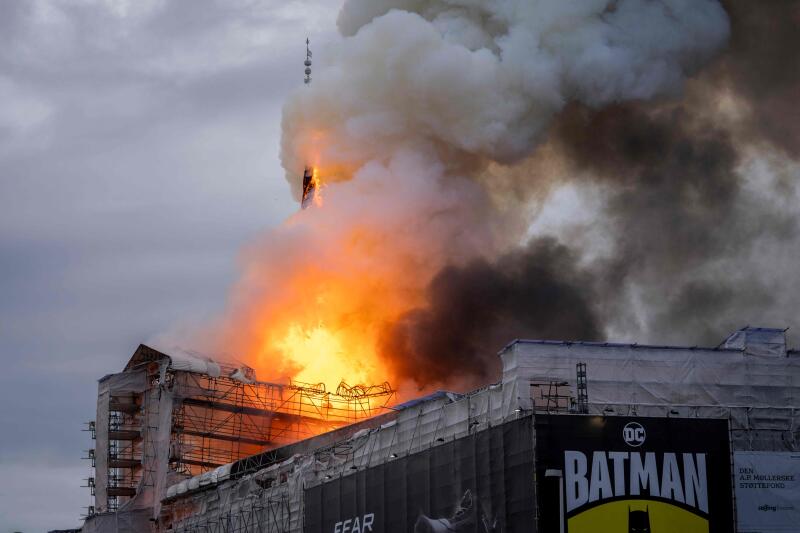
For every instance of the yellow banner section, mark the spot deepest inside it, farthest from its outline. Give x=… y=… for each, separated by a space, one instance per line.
x=637 y=516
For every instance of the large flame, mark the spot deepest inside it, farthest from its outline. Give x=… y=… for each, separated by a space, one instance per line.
x=328 y=288
x=329 y=335
x=316 y=188
x=334 y=339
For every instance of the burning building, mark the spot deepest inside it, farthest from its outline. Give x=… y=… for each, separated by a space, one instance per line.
x=440 y=133
x=168 y=418
x=575 y=434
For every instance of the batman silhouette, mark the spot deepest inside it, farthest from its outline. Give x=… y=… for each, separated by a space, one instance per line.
x=639 y=521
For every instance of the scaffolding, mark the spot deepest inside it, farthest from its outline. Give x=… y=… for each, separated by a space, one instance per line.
x=261 y=513
x=551 y=396
x=582 y=386
x=270 y=497
x=125 y=445
x=219 y=420
x=168 y=418
x=90 y=456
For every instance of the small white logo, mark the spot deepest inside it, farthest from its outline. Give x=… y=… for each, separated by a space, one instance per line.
x=633 y=433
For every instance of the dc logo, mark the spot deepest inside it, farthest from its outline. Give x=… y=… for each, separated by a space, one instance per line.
x=633 y=433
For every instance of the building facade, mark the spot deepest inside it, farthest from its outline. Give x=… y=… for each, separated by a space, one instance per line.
x=574 y=435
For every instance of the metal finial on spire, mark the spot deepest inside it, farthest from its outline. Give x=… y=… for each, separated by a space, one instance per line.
x=307 y=62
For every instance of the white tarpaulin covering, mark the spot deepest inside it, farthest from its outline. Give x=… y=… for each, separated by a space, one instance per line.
x=756 y=389
x=191 y=362
x=128 y=522
x=655 y=375
x=759 y=394
x=759 y=341
x=767 y=491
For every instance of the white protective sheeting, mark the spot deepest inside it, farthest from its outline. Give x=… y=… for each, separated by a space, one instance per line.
x=130 y=522
x=112 y=385
x=760 y=400
x=221 y=473
x=274 y=494
x=645 y=375
x=212 y=477
x=240 y=375
x=758 y=341
x=193 y=362
x=759 y=394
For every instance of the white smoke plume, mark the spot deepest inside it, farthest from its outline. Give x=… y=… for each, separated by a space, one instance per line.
x=478 y=78
x=420 y=122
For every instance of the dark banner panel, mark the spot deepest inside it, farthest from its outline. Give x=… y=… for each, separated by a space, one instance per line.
x=481 y=483
x=633 y=475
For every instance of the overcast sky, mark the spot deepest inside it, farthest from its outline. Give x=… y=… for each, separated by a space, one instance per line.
x=138 y=153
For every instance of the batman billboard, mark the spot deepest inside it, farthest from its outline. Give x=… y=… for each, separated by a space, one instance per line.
x=633 y=474
x=480 y=483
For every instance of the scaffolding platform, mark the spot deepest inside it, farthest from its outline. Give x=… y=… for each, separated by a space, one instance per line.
x=172 y=417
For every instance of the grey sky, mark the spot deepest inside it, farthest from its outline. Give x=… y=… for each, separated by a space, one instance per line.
x=138 y=153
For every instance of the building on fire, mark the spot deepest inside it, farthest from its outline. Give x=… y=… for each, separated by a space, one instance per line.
x=576 y=436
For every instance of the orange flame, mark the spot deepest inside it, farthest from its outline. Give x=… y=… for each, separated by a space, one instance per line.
x=328 y=294
x=329 y=339
x=317 y=184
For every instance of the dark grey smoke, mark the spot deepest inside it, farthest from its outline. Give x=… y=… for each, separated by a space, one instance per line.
x=691 y=239
x=681 y=219
x=762 y=65
x=472 y=311
x=685 y=225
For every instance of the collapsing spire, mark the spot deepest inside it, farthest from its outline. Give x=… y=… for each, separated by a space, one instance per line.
x=309 y=184
x=309 y=188
x=307 y=63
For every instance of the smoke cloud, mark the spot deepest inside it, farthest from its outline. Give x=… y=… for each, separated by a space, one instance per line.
x=762 y=67
x=474 y=310
x=441 y=131
x=682 y=217
x=700 y=189
x=483 y=79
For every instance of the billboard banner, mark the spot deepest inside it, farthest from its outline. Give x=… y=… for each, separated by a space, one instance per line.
x=633 y=474
x=481 y=483
x=767 y=491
